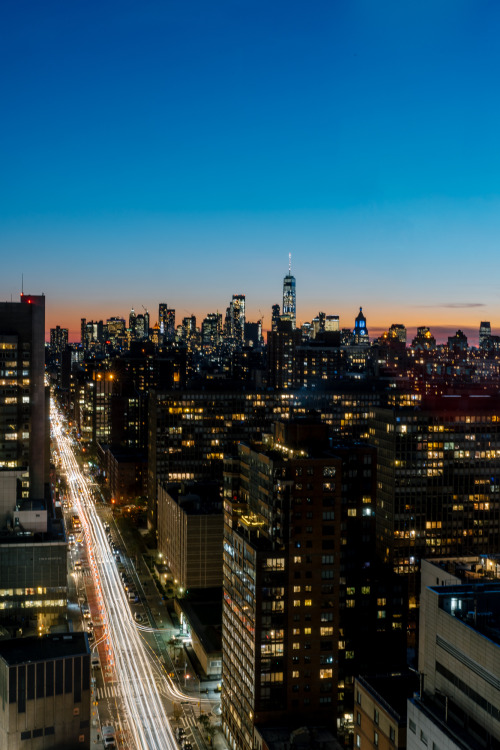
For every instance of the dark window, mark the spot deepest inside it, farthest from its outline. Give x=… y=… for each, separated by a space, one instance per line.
x=38 y=732
x=26 y=735
x=40 y=679
x=49 y=730
x=21 y=690
x=68 y=677
x=12 y=684
x=31 y=682
x=78 y=679
x=49 y=678
x=59 y=677
x=86 y=673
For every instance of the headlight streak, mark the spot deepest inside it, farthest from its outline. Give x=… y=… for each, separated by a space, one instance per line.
x=132 y=659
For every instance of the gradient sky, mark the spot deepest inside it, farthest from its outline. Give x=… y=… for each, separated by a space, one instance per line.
x=159 y=151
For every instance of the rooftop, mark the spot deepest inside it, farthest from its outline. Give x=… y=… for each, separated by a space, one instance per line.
x=36 y=648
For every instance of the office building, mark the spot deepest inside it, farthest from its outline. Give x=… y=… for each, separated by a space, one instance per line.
x=439 y=480
x=275 y=316
x=45 y=689
x=234 y=328
x=58 y=339
x=289 y=299
x=458 y=705
x=24 y=427
x=485 y=334
x=162 y=317
x=304 y=605
x=190 y=524
x=211 y=331
x=282 y=346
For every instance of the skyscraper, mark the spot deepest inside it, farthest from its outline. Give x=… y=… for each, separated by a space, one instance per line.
x=237 y=318
x=58 y=339
x=23 y=421
x=484 y=334
x=162 y=317
x=289 y=308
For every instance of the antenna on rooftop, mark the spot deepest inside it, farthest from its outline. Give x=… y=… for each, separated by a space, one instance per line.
x=22 y=284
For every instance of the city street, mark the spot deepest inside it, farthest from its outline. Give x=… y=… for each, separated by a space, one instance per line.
x=134 y=687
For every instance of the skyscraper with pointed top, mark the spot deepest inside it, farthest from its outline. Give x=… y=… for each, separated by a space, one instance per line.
x=289 y=308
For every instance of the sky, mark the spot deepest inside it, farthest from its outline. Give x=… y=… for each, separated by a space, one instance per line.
x=178 y=150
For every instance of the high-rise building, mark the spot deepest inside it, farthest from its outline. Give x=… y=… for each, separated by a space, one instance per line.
x=289 y=301
x=162 y=317
x=58 y=339
x=303 y=607
x=484 y=334
x=332 y=323
x=24 y=439
x=33 y=549
x=281 y=355
x=190 y=532
x=83 y=332
x=439 y=480
x=211 y=331
x=398 y=331
x=116 y=331
x=235 y=320
x=275 y=316
x=424 y=340
x=360 y=329
x=132 y=318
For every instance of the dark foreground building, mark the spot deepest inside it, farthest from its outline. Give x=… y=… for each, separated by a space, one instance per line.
x=45 y=693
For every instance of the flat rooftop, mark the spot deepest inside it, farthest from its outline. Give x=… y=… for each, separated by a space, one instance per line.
x=41 y=648
x=477 y=605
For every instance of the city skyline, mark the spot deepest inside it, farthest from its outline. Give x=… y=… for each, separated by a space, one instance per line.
x=175 y=154
x=440 y=332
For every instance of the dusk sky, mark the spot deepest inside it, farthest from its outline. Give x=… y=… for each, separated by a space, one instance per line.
x=158 y=151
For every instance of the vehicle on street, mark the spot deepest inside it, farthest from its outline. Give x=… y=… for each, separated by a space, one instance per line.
x=108 y=735
x=138 y=617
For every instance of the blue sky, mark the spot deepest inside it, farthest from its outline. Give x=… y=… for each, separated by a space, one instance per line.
x=178 y=151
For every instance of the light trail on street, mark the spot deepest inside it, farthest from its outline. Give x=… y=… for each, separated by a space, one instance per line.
x=141 y=676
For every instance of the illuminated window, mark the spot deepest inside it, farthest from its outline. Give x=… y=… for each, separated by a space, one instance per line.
x=308 y=603
x=296 y=602
x=296 y=646
x=325 y=674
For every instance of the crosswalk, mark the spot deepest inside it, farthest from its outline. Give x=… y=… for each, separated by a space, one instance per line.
x=108 y=691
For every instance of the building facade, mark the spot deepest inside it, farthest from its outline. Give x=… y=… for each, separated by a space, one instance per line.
x=45 y=692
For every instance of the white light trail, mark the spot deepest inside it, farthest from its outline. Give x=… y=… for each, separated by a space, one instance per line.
x=135 y=665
